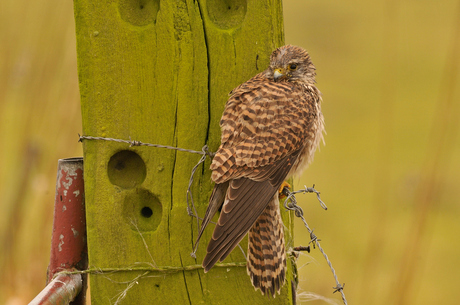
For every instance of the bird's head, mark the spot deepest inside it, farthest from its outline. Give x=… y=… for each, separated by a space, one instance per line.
x=292 y=64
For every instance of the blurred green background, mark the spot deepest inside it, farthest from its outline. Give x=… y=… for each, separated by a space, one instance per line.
x=389 y=173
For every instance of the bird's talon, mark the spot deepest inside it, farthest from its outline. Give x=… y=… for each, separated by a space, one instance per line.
x=281 y=189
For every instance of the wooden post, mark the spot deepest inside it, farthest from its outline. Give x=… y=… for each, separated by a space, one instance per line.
x=159 y=71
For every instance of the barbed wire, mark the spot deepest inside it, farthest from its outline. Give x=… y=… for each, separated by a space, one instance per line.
x=131 y=143
x=290 y=203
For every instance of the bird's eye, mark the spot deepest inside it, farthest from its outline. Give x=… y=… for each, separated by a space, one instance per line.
x=293 y=67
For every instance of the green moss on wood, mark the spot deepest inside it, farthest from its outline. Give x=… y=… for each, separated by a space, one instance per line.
x=160 y=72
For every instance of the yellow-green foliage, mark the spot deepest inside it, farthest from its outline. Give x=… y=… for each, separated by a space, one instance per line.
x=389 y=172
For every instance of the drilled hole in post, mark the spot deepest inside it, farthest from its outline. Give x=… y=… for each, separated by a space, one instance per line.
x=142 y=209
x=146 y=212
x=126 y=169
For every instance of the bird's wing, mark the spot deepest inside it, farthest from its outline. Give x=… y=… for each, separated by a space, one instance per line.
x=215 y=202
x=245 y=200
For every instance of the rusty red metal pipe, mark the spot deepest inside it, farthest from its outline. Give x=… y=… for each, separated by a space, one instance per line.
x=68 y=242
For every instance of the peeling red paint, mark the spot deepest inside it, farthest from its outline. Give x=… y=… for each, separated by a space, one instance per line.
x=68 y=241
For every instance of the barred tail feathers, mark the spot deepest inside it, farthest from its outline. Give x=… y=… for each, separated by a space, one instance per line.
x=266 y=260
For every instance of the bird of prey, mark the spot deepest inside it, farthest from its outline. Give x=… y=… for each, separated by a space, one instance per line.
x=271 y=127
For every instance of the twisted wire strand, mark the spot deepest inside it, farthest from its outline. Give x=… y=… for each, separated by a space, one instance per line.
x=139 y=143
x=148 y=268
x=290 y=203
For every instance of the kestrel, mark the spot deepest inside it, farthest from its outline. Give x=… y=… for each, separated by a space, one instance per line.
x=271 y=127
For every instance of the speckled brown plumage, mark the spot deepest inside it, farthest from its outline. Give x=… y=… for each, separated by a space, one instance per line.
x=271 y=127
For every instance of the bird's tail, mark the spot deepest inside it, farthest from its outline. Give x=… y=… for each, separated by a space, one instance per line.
x=266 y=253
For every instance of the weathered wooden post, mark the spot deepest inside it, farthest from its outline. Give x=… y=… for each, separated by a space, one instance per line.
x=159 y=71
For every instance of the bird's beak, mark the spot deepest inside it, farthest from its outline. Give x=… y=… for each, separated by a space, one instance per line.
x=278 y=73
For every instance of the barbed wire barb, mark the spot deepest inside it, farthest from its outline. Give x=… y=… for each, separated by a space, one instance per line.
x=339 y=287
